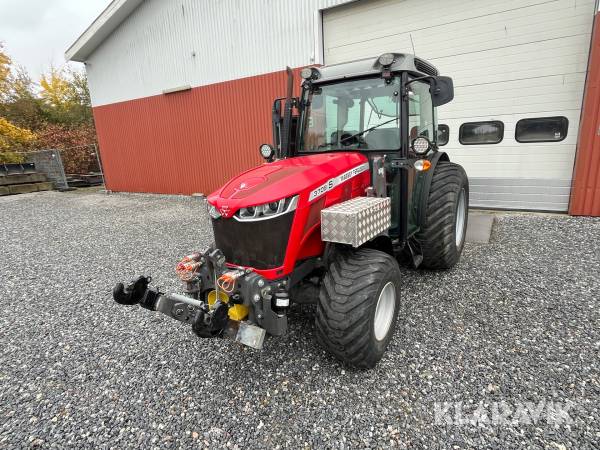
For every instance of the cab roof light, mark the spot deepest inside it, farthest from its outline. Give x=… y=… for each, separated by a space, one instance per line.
x=310 y=73
x=387 y=59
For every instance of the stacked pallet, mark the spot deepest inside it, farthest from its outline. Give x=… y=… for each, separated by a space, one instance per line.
x=85 y=179
x=22 y=179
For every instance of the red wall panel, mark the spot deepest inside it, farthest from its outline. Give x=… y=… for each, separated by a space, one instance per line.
x=585 y=191
x=194 y=141
x=190 y=141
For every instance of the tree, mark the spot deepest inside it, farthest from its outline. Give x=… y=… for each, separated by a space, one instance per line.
x=21 y=105
x=56 y=114
x=55 y=94
x=5 y=64
x=65 y=96
x=76 y=141
x=70 y=126
x=13 y=139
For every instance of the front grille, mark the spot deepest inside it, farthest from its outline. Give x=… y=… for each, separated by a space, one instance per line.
x=260 y=244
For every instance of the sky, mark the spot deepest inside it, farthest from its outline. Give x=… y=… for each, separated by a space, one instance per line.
x=36 y=33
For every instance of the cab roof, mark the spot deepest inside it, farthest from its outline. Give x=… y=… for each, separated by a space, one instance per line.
x=371 y=66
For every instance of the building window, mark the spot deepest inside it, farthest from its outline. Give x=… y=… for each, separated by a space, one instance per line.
x=443 y=134
x=542 y=129
x=472 y=133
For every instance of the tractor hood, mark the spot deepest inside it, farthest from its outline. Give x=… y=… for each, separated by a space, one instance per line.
x=282 y=179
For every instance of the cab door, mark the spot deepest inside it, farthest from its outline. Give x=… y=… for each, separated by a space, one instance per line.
x=422 y=121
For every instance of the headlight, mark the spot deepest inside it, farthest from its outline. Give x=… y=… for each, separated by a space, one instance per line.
x=267 y=210
x=213 y=211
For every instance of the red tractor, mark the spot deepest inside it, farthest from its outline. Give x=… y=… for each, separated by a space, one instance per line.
x=353 y=184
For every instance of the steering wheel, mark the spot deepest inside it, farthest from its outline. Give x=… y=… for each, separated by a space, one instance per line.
x=348 y=139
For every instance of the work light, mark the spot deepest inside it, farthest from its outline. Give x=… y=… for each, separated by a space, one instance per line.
x=267 y=152
x=386 y=59
x=306 y=73
x=309 y=73
x=421 y=145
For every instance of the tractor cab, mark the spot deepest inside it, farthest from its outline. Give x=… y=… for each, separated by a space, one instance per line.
x=360 y=105
x=383 y=107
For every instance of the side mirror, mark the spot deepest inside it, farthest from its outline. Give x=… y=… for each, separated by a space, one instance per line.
x=267 y=152
x=442 y=90
x=421 y=145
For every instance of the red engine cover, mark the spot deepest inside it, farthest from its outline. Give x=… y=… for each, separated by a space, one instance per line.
x=319 y=180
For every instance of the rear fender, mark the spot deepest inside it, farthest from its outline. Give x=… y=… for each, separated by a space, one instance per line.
x=422 y=201
x=383 y=243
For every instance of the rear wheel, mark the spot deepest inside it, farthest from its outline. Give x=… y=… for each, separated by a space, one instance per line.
x=442 y=236
x=358 y=306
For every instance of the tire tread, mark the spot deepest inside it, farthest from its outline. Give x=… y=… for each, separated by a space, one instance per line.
x=437 y=234
x=345 y=302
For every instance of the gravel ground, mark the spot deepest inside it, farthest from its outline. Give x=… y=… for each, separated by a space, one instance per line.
x=516 y=321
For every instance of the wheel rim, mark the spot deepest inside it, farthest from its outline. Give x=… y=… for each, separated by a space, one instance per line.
x=461 y=214
x=384 y=312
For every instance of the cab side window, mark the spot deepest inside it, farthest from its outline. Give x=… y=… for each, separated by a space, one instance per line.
x=421 y=117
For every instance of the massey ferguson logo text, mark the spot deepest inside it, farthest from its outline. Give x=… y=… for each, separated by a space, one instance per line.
x=333 y=182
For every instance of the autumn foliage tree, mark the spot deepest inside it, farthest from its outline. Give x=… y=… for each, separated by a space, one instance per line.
x=12 y=137
x=78 y=156
x=56 y=113
x=5 y=63
x=12 y=140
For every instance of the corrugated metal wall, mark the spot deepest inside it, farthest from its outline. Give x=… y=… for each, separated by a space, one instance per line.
x=509 y=60
x=193 y=141
x=187 y=142
x=168 y=43
x=585 y=194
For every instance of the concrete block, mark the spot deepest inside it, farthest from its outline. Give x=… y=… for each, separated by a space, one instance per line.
x=479 y=228
x=45 y=186
x=21 y=178
x=22 y=188
x=4 y=191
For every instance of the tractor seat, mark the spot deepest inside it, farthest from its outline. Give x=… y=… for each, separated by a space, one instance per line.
x=383 y=138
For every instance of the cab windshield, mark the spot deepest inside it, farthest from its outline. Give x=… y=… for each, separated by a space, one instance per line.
x=352 y=115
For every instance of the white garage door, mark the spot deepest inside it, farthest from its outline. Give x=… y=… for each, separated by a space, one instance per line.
x=510 y=60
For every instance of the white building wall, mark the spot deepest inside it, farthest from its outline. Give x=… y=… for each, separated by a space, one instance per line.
x=165 y=44
x=509 y=60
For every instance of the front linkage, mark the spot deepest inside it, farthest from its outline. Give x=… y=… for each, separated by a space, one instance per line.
x=221 y=299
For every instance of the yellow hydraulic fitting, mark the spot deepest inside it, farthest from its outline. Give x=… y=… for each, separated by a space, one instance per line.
x=212 y=298
x=238 y=312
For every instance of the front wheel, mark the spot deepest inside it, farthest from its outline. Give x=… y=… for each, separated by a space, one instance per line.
x=358 y=306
